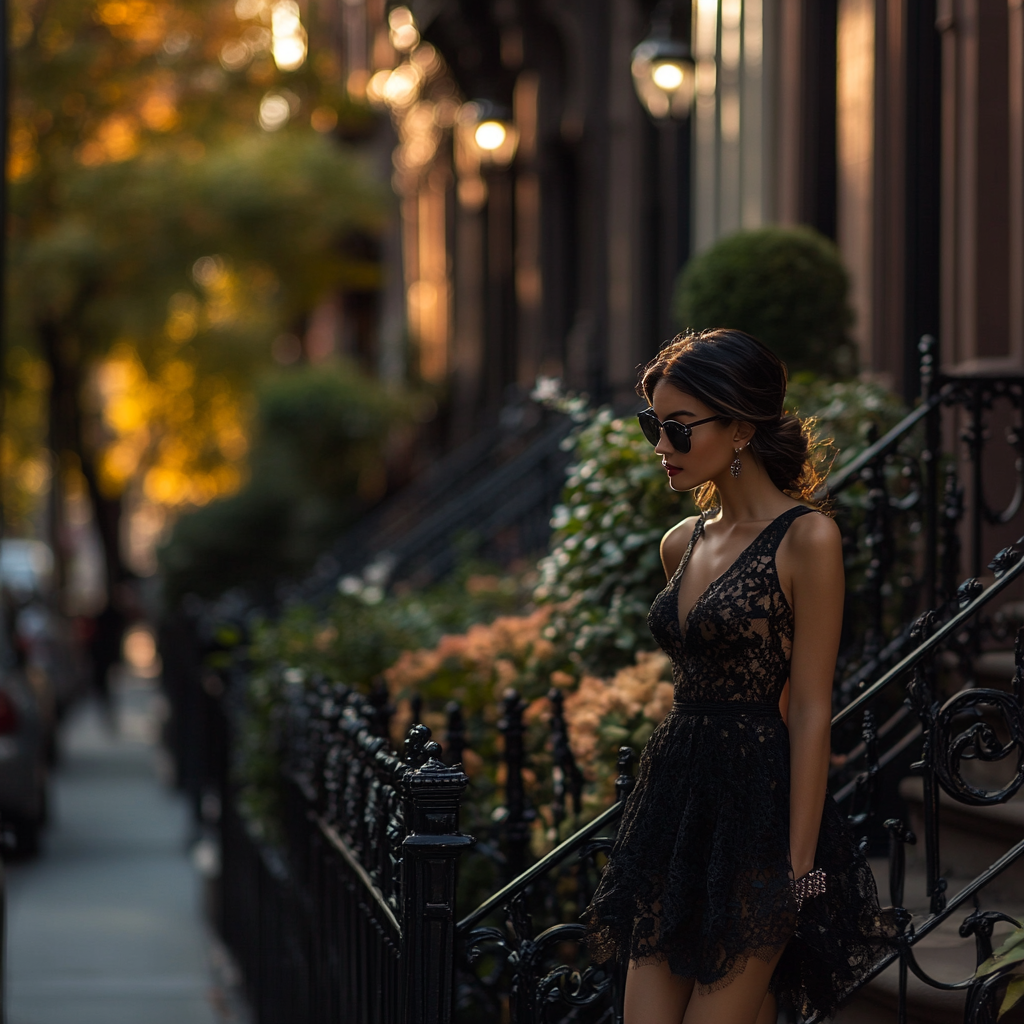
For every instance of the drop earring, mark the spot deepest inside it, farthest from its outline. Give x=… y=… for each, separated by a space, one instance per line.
x=735 y=466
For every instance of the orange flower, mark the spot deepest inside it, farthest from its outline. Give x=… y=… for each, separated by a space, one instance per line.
x=634 y=695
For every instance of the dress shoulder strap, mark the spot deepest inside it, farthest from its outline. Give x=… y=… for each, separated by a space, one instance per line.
x=698 y=529
x=776 y=530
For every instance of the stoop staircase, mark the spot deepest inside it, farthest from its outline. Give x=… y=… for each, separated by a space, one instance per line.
x=971 y=838
x=929 y=712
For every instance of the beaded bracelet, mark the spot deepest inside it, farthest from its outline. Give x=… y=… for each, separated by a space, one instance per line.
x=807 y=887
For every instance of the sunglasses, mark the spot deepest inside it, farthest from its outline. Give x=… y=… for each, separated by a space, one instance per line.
x=678 y=434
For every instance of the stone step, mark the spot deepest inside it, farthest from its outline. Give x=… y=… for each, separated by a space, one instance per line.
x=970 y=838
x=942 y=954
x=995 y=669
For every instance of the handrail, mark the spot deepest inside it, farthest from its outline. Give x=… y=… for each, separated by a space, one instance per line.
x=339 y=844
x=889 y=440
x=992 y=871
x=560 y=852
x=950 y=626
x=556 y=856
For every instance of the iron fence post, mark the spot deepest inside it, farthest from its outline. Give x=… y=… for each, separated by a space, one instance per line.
x=520 y=815
x=930 y=456
x=430 y=853
x=455 y=734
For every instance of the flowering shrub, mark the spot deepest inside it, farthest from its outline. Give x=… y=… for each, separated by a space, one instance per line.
x=604 y=714
x=579 y=623
x=353 y=641
x=361 y=633
x=604 y=567
x=475 y=668
x=478 y=666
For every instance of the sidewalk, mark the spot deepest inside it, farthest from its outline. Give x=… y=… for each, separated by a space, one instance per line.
x=105 y=927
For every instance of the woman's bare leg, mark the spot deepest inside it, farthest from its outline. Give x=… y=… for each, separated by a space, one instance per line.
x=769 y=1010
x=742 y=1001
x=654 y=995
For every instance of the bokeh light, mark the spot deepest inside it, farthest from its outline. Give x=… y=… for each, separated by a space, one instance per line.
x=275 y=112
x=490 y=135
x=667 y=76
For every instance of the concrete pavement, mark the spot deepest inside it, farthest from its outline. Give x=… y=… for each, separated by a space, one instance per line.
x=105 y=927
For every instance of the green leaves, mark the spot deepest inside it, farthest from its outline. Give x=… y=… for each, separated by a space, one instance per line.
x=1014 y=994
x=617 y=505
x=281 y=213
x=786 y=286
x=1010 y=952
x=320 y=457
x=604 y=554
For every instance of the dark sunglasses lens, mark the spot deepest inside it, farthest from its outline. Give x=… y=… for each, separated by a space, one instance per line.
x=650 y=426
x=678 y=436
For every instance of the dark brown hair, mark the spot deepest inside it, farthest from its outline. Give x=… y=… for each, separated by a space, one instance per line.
x=737 y=376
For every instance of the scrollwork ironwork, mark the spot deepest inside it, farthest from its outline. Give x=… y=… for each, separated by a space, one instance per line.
x=978 y=742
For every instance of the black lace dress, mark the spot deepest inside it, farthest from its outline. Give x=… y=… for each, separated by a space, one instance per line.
x=698 y=875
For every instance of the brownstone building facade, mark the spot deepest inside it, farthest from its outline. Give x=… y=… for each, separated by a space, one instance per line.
x=894 y=126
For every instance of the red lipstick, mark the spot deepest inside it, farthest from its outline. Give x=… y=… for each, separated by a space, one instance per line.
x=670 y=469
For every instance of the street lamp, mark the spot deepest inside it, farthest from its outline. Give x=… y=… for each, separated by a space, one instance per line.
x=663 y=71
x=493 y=139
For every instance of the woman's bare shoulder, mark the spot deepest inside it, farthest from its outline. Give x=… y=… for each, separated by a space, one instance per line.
x=674 y=544
x=811 y=544
x=814 y=535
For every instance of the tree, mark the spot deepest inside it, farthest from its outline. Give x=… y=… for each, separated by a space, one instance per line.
x=160 y=239
x=323 y=442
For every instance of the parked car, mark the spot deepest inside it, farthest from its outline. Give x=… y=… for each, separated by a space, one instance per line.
x=50 y=640
x=24 y=745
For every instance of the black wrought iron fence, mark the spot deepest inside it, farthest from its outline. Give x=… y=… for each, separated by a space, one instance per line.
x=904 y=512
x=353 y=916
x=958 y=724
x=350 y=914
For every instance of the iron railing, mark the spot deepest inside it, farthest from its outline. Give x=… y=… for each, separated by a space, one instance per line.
x=944 y=742
x=349 y=914
x=903 y=511
x=491 y=498
x=356 y=908
x=354 y=904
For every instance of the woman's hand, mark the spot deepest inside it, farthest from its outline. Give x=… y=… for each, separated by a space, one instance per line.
x=811 y=563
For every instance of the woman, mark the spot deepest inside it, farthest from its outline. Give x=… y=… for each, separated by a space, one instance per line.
x=734 y=879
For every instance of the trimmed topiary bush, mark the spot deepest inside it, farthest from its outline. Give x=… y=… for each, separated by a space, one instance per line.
x=786 y=286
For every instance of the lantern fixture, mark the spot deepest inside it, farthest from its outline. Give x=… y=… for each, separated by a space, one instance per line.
x=493 y=137
x=663 y=69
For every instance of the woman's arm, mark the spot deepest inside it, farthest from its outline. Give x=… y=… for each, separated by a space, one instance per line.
x=815 y=559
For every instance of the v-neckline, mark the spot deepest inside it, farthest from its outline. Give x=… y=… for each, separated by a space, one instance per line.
x=682 y=622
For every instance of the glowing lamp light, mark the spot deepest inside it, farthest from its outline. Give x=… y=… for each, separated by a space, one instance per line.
x=374 y=88
x=663 y=70
x=289 y=43
x=402 y=30
x=490 y=135
x=402 y=85
x=668 y=76
x=289 y=52
x=275 y=112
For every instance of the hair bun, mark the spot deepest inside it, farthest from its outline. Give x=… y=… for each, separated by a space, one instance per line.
x=783 y=449
x=737 y=376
